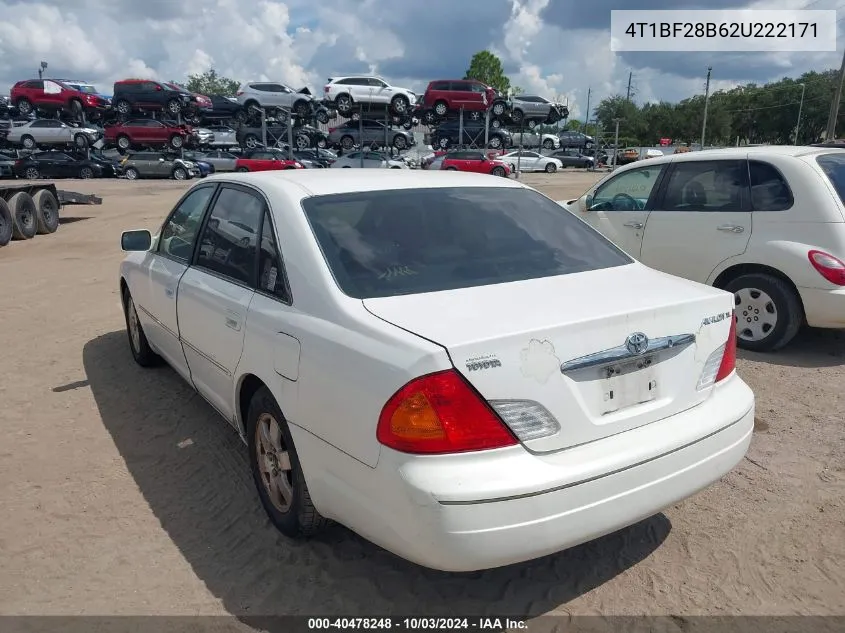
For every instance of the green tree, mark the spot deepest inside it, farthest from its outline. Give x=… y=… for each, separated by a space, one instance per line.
x=210 y=83
x=485 y=66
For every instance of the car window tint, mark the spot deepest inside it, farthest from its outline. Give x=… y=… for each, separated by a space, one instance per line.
x=387 y=243
x=769 y=190
x=230 y=237
x=271 y=277
x=627 y=191
x=833 y=166
x=707 y=185
x=180 y=231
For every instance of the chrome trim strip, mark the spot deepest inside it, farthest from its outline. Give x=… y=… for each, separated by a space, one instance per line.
x=157 y=322
x=622 y=353
x=601 y=476
x=207 y=357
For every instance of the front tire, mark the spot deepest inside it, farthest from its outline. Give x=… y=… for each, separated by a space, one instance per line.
x=176 y=141
x=768 y=311
x=180 y=174
x=138 y=344
x=132 y=174
x=400 y=104
x=277 y=471
x=551 y=168
x=28 y=142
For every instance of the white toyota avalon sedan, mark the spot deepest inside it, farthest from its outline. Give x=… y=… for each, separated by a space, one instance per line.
x=451 y=366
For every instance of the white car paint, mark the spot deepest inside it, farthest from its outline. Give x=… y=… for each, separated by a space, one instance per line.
x=712 y=247
x=377 y=90
x=528 y=160
x=584 y=466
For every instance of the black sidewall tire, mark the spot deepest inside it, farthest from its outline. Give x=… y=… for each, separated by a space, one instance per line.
x=134 y=171
x=144 y=356
x=24 y=216
x=47 y=212
x=6 y=223
x=788 y=305
x=302 y=518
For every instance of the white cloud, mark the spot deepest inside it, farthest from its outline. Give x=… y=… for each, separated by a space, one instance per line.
x=300 y=42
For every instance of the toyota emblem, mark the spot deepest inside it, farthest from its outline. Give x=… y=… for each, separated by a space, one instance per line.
x=637 y=343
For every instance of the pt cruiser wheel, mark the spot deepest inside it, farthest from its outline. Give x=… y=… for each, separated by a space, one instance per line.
x=277 y=471
x=768 y=312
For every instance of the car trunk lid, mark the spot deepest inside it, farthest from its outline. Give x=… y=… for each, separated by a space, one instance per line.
x=561 y=342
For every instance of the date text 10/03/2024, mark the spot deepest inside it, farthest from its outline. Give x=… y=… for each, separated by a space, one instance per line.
x=418 y=624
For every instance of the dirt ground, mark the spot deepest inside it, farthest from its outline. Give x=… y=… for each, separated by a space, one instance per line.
x=122 y=492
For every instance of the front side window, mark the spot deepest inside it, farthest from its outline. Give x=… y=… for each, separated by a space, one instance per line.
x=628 y=191
x=180 y=231
x=707 y=185
x=387 y=243
x=230 y=237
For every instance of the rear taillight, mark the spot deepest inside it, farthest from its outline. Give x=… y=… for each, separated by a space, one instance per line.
x=830 y=267
x=722 y=362
x=326 y=89
x=440 y=413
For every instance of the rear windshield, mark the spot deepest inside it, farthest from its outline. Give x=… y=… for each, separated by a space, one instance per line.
x=408 y=241
x=833 y=166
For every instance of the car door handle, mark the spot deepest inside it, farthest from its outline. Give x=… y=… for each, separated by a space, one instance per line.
x=634 y=225
x=731 y=228
x=169 y=291
x=233 y=321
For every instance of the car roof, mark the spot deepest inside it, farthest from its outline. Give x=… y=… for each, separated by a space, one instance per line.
x=318 y=182
x=759 y=151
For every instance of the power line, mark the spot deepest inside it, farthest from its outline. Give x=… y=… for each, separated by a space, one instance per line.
x=780 y=105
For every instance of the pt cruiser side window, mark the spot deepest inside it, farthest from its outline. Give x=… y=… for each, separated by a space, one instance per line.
x=629 y=191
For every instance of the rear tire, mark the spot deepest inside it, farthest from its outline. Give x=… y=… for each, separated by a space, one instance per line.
x=180 y=174
x=758 y=296
x=343 y=103
x=24 y=106
x=498 y=171
x=242 y=170
x=24 y=214
x=138 y=344
x=273 y=458
x=131 y=173
x=176 y=141
x=28 y=142
x=551 y=168
x=6 y=223
x=47 y=212
x=124 y=142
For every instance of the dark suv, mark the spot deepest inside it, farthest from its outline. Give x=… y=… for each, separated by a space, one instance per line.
x=135 y=94
x=447 y=135
x=452 y=95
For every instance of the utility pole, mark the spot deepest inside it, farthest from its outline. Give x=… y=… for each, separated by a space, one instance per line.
x=628 y=94
x=706 y=98
x=800 y=108
x=615 y=145
x=830 y=132
x=587 y=115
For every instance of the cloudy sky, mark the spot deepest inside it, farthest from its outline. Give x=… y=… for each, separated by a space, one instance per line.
x=557 y=48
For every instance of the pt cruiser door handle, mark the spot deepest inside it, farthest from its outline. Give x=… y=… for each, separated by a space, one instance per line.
x=634 y=225
x=732 y=228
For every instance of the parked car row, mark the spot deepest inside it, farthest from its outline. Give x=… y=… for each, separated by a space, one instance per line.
x=347 y=96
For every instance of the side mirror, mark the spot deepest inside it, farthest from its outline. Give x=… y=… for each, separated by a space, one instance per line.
x=136 y=241
x=586 y=202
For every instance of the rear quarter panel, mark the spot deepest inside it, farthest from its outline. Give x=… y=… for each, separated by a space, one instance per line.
x=781 y=239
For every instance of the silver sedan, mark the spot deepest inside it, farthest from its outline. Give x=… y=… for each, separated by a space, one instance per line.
x=52 y=132
x=221 y=159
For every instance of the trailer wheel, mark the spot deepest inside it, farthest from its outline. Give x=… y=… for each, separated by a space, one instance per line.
x=47 y=211
x=5 y=223
x=24 y=214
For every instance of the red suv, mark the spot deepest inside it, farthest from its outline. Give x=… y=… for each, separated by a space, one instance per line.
x=476 y=162
x=149 y=132
x=450 y=95
x=54 y=94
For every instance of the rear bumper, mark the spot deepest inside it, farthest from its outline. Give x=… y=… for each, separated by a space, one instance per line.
x=824 y=308
x=477 y=511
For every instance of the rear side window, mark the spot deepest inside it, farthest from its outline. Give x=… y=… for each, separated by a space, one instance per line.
x=398 y=242
x=769 y=190
x=833 y=166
